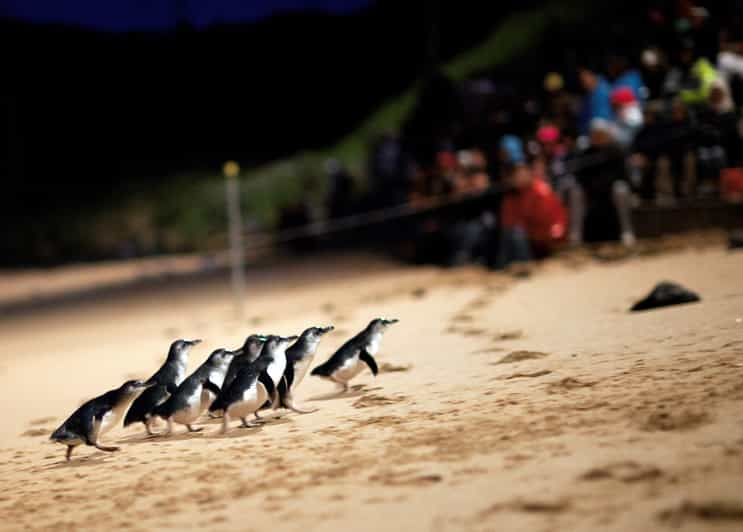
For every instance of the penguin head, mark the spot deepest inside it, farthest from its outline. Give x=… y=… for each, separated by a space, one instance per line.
x=180 y=348
x=221 y=358
x=313 y=334
x=253 y=345
x=274 y=342
x=381 y=324
x=133 y=387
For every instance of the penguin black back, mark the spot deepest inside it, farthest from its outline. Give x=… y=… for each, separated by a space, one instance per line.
x=351 y=348
x=86 y=424
x=164 y=383
x=251 y=350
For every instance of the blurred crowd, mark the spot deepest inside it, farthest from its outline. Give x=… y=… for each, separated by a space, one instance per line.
x=572 y=158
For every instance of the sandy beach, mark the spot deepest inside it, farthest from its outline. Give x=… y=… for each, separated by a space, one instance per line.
x=501 y=404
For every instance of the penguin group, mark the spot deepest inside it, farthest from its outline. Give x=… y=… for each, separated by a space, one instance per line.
x=262 y=374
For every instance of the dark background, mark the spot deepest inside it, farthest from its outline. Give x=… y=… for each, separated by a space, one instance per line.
x=86 y=111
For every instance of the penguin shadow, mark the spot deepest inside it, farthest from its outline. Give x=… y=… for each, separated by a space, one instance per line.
x=354 y=391
x=237 y=432
x=138 y=439
x=82 y=461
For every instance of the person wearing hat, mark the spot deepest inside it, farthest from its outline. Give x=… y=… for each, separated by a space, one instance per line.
x=629 y=119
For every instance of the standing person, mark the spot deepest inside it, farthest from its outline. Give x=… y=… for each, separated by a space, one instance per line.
x=596 y=102
x=603 y=177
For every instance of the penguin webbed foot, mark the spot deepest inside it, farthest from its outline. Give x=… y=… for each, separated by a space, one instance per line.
x=251 y=424
x=191 y=429
x=106 y=448
x=68 y=454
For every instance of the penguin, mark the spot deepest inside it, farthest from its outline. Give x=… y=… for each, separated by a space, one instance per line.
x=163 y=383
x=298 y=360
x=190 y=400
x=349 y=360
x=275 y=352
x=251 y=350
x=96 y=417
x=246 y=394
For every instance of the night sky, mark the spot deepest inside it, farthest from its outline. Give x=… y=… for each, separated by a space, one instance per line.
x=160 y=15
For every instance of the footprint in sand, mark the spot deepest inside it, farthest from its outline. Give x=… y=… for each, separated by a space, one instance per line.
x=705 y=511
x=391 y=368
x=35 y=433
x=41 y=421
x=528 y=506
x=520 y=375
x=569 y=383
x=405 y=478
x=626 y=471
x=683 y=420
x=377 y=400
x=519 y=356
x=508 y=335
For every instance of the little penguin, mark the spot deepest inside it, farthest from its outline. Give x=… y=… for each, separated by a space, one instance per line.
x=246 y=394
x=275 y=352
x=349 y=360
x=163 y=383
x=251 y=350
x=298 y=360
x=96 y=417
x=189 y=401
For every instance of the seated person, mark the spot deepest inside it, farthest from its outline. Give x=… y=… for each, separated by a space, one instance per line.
x=533 y=220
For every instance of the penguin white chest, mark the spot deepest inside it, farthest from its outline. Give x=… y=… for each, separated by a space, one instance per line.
x=276 y=370
x=252 y=399
x=111 y=418
x=191 y=411
x=373 y=345
x=300 y=370
x=350 y=368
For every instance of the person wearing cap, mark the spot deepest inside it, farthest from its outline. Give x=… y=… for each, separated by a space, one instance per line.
x=533 y=220
x=629 y=119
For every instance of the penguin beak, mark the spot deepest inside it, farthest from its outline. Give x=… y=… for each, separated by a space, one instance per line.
x=390 y=321
x=194 y=342
x=236 y=352
x=291 y=338
x=325 y=330
x=146 y=384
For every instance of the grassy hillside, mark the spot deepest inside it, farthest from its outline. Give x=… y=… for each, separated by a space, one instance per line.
x=189 y=214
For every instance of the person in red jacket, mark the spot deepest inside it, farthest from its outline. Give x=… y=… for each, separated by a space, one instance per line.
x=533 y=219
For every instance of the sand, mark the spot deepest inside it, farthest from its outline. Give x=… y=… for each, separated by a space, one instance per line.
x=501 y=404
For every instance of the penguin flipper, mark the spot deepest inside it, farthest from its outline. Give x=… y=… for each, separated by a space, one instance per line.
x=369 y=360
x=288 y=377
x=264 y=379
x=209 y=385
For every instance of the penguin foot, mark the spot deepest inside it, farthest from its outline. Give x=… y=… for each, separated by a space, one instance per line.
x=68 y=455
x=299 y=410
x=106 y=448
x=250 y=424
x=191 y=429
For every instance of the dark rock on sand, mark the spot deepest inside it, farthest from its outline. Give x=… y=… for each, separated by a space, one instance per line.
x=665 y=294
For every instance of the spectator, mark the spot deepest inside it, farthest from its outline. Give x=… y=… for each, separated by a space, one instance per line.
x=533 y=220
x=628 y=114
x=623 y=75
x=557 y=156
x=603 y=178
x=596 y=103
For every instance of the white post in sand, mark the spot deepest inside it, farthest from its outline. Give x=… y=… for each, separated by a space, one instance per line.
x=237 y=253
